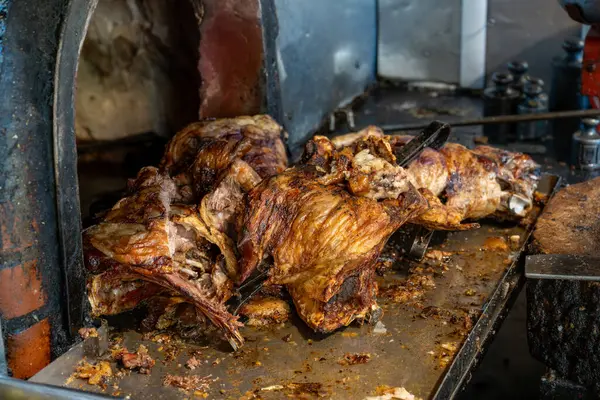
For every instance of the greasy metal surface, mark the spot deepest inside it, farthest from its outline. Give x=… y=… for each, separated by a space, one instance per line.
x=501 y=119
x=563 y=266
x=388 y=106
x=326 y=57
x=478 y=280
x=15 y=389
x=96 y=346
x=493 y=312
x=419 y=40
x=420 y=244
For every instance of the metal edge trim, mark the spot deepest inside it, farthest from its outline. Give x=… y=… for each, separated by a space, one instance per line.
x=567 y=260
x=19 y=389
x=563 y=277
x=76 y=22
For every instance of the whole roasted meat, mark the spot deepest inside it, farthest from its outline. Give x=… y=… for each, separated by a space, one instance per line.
x=320 y=227
x=464 y=185
x=223 y=204
x=172 y=235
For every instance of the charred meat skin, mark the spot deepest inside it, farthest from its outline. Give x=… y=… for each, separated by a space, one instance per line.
x=222 y=203
x=265 y=311
x=200 y=154
x=323 y=239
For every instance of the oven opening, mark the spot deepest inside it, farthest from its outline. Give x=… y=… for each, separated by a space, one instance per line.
x=137 y=84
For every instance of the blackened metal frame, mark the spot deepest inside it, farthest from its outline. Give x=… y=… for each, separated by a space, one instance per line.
x=77 y=20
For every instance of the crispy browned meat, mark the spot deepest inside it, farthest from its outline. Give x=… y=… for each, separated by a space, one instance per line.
x=146 y=244
x=115 y=290
x=85 y=333
x=139 y=360
x=220 y=207
x=462 y=184
x=96 y=374
x=173 y=237
x=200 y=154
x=354 y=359
x=266 y=311
x=482 y=183
x=320 y=226
x=518 y=176
x=472 y=191
x=570 y=223
x=188 y=383
x=324 y=230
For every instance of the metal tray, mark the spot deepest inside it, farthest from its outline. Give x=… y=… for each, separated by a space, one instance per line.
x=417 y=351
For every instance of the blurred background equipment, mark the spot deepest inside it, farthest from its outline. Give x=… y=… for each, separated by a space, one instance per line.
x=502 y=98
x=566 y=93
x=586 y=145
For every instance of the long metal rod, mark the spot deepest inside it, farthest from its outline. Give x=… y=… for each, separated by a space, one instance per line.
x=500 y=119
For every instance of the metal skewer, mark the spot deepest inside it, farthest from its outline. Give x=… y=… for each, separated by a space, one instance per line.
x=500 y=119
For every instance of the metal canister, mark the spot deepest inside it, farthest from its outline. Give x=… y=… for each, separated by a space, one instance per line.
x=518 y=70
x=586 y=145
x=566 y=95
x=541 y=96
x=500 y=99
x=535 y=102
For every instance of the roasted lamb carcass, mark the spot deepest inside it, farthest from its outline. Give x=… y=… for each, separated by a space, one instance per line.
x=170 y=240
x=147 y=246
x=462 y=184
x=322 y=225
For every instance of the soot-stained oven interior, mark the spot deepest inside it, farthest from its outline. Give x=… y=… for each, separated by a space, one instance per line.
x=137 y=84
